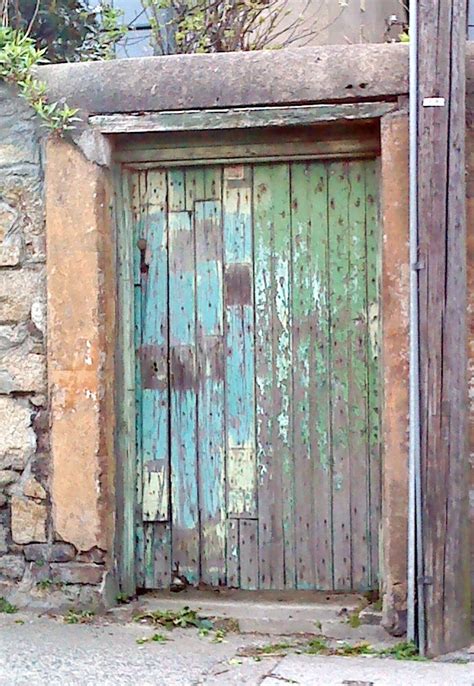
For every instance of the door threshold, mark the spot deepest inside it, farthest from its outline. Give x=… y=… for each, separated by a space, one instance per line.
x=269 y=612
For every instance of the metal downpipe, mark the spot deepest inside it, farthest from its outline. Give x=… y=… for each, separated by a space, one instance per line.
x=415 y=587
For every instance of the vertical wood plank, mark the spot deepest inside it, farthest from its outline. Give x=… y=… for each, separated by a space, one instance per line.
x=183 y=406
x=194 y=182
x=138 y=191
x=320 y=386
x=373 y=318
x=176 y=190
x=154 y=352
x=210 y=352
x=273 y=369
x=212 y=182
x=358 y=366
x=442 y=299
x=126 y=411
x=239 y=340
x=302 y=304
x=248 y=552
x=338 y=192
x=232 y=554
x=311 y=404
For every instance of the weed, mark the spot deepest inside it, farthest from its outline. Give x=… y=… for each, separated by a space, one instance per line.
x=347 y=650
x=156 y=638
x=354 y=620
x=273 y=648
x=122 y=598
x=316 y=646
x=7 y=607
x=377 y=606
x=182 y=619
x=19 y=621
x=219 y=636
x=402 y=651
x=78 y=617
x=44 y=585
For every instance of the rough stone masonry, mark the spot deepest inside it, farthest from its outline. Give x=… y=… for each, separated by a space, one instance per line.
x=36 y=567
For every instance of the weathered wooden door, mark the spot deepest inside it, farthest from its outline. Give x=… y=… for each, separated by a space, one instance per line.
x=256 y=306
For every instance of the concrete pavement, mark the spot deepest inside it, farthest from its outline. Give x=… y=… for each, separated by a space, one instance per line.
x=37 y=651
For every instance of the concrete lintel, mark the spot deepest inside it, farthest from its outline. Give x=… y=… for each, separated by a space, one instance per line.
x=272 y=77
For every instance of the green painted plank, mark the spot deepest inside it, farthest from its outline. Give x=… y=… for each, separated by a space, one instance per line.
x=138 y=187
x=303 y=316
x=311 y=405
x=339 y=232
x=210 y=361
x=126 y=392
x=239 y=340
x=183 y=405
x=320 y=387
x=373 y=299
x=358 y=391
x=270 y=204
x=282 y=355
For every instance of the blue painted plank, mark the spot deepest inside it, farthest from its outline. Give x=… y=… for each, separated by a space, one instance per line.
x=210 y=358
x=240 y=368
x=154 y=354
x=183 y=429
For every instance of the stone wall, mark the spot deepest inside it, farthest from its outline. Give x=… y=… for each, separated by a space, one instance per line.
x=36 y=568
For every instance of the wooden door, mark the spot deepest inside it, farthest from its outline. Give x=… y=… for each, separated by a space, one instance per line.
x=256 y=322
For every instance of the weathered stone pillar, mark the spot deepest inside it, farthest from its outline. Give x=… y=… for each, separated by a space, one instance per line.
x=395 y=365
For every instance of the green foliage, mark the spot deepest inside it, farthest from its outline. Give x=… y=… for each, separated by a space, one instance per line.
x=78 y=617
x=67 y=30
x=354 y=620
x=405 y=650
x=273 y=648
x=18 y=58
x=316 y=646
x=156 y=638
x=7 y=607
x=182 y=619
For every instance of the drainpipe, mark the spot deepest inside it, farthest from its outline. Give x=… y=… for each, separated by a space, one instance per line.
x=415 y=588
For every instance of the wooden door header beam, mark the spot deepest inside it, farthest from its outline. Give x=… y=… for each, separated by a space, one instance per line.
x=238 y=118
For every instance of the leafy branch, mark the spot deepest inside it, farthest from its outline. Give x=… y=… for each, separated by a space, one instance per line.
x=18 y=58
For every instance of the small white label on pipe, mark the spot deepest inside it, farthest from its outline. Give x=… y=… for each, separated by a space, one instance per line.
x=434 y=102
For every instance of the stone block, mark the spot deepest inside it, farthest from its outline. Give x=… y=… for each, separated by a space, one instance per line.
x=23 y=366
x=7 y=477
x=95 y=555
x=12 y=566
x=19 y=290
x=77 y=573
x=33 y=489
x=57 y=552
x=10 y=238
x=28 y=521
x=3 y=539
x=18 y=442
